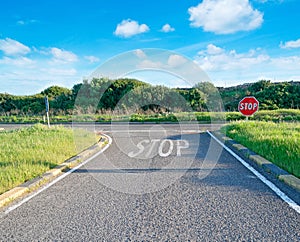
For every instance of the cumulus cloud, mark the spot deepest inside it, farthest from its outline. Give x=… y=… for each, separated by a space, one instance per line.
x=19 y=61
x=167 y=28
x=30 y=73
x=64 y=56
x=128 y=28
x=140 y=54
x=12 y=47
x=225 y=16
x=238 y=67
x=290 y=44
x=176 y=61
x=212 y=50
x=215 y=58
x=287 y=63
x=91 y=58
x=148 y=64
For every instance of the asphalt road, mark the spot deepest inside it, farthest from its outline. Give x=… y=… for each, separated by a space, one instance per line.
x=201 y=193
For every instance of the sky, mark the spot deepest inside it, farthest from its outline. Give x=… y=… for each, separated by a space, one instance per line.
x=44 y=43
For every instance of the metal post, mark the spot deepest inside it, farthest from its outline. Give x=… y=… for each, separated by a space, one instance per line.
x=48 y=120
x=47 y=110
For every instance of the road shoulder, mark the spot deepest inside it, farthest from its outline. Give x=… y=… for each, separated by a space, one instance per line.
x=263 y=163
x=34 y=184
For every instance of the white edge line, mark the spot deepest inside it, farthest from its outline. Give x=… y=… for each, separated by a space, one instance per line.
x=58 y=178
x=273 y=187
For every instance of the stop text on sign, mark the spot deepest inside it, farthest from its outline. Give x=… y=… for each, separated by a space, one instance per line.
x=248 y=106
x=162 y=147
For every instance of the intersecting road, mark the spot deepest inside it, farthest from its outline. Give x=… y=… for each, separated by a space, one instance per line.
x=115 y=197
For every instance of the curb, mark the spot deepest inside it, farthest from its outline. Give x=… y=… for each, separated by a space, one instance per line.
x=37 y=182
x=266 y=165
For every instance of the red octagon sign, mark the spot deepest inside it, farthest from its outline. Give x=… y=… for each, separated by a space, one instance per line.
x=248 y=106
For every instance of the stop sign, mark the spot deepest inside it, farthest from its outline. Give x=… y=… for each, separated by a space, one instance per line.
x=248 y=106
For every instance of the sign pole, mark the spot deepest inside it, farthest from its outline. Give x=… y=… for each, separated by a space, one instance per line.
x=48 y=120
x=47 y=110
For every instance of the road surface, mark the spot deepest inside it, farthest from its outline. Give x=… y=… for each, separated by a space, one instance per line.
x=191 y=197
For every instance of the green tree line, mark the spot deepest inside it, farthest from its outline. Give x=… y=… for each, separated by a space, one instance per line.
x=102 y=95
x=271 y=96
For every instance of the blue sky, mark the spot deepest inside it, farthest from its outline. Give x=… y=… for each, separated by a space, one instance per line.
x=45 y=43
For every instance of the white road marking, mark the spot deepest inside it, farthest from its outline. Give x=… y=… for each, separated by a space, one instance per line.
x=272 y=186
x=57 y=179
x=147 y=131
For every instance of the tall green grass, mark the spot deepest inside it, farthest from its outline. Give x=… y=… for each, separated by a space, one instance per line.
x=29 y=152
x=277 y=142
x=279 y=115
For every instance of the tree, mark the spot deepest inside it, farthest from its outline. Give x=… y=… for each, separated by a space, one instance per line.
x=212 y=97
x=55 y=91
x=259 y=86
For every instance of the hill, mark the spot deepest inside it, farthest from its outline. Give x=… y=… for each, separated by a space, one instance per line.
x=272 y=96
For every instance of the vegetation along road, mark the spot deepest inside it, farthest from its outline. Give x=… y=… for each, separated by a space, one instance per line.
x=186 y=187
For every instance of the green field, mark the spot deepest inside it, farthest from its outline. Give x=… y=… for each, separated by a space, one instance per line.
x=288 y=115
x=277 y=142
x=29 y=152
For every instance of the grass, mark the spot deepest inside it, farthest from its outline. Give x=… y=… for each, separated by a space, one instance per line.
x=289 y=115
x=277 y=142
x=29 y=152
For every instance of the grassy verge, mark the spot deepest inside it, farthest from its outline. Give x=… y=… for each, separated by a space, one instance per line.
x=29 y=152
x=289 y=115
x=277 y=142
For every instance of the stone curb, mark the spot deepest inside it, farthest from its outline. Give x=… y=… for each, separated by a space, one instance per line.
x=266 y=165
x=35 y=183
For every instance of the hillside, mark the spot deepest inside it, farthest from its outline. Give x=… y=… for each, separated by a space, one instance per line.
x=271 y=96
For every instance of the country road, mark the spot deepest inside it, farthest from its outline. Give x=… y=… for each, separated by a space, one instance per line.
x=143 y=188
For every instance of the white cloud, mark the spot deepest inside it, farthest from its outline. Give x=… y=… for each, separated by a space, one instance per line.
x=148 y=64
x=140 y=54
x=21 y=22
x=217 y=59
x=167 y=28
x=27 y=75
x=287 y=63
x=61 y=72
x=290 y=44
x=63 y=56
x=26 y=22
x=92 y=59
x=230 y=67
x=149 y=40
x=128 y=28
x=19 y=61
x=225 y=16
x=176 y=61
x=41 y=51
x=214 y=50
x=12 y=47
